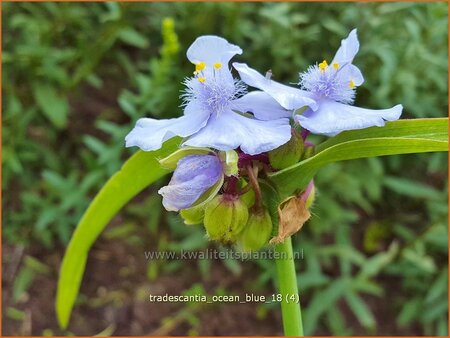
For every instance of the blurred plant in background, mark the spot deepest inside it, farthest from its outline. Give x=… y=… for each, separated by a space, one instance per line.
x=77 y=76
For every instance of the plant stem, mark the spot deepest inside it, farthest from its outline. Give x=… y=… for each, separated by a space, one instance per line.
x=287 y=281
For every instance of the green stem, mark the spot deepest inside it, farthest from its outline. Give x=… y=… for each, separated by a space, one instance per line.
x=287 y=281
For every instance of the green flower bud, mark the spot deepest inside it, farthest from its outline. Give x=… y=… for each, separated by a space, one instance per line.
x=257 y=232
x=225 y=218
x=288 y=154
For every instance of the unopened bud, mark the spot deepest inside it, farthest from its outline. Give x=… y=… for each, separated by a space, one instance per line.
x=257 y=231
x=288 y=154
x=195 y=214
x=309 y=195
x=225 y=218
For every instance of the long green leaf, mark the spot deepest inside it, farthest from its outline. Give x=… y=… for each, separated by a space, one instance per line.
x=137 y=173
x=400 y=137
x=436 y=129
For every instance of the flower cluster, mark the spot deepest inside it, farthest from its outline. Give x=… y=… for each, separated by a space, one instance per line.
x=233 y=137
x=214 y=103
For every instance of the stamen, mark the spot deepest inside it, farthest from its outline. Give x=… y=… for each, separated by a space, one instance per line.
x=351 y=84
x=217 y=65
x=336 y=65
x=214 y=93
x=199 y=66
x=323 y=65
x=328 y=84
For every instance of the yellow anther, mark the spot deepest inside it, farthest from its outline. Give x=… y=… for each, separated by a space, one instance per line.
x=323 y=65
x=199 y=66
x=336 y=65
x=217 y=65
x=201 y=79
x=351 y=84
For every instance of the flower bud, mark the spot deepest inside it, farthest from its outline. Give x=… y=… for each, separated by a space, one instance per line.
x=225 y=218
x=309 y=195
x=288 y=154
x=196 y=213
x=195 y=178
x=257 y=231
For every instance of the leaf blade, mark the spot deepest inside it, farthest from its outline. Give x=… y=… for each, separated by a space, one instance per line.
x=138 y=172
x=52 y=104
x=436 y=128
x=411 y=138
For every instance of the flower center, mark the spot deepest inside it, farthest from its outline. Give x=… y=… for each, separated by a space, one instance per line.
x=329 y=82
x=214 y=87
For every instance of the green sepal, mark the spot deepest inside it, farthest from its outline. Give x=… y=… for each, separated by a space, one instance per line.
x=249 y=197
x=230 y=159
x=170 y=162
x=192 y=216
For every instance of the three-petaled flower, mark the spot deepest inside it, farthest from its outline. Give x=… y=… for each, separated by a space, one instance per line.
x=214 y=108
x=328 y=90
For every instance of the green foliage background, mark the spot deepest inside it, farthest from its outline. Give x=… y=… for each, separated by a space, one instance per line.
x=76 y=77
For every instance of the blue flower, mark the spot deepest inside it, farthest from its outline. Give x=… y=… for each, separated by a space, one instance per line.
x=194 y=175
x=214 y=103
x=328 y=90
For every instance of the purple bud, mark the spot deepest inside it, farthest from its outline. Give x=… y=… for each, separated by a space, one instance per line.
x=194 y=175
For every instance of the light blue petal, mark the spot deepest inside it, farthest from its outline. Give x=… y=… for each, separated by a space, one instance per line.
x=149 y=134
x=351 y=73
x=262 y=105
x=332 y=118
x=193 y=176
x=212 y=49
x=288 y=97
x=230 y=130
x=349 y=48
